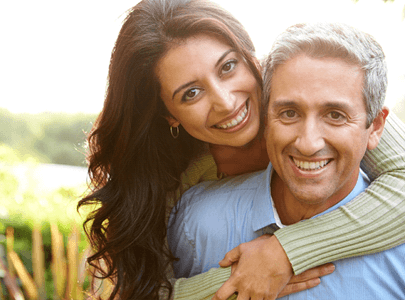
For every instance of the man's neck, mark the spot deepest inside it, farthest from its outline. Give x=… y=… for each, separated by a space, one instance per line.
x=291 y=210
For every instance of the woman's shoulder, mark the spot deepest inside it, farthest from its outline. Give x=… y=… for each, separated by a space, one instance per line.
x=201 y=168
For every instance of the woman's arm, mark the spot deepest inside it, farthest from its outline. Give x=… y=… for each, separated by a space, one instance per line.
x=205 y=285
x=201 y=287
x=374 y=221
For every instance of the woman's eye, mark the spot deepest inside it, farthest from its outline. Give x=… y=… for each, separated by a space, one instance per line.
x=190 y=94
x=229 y=66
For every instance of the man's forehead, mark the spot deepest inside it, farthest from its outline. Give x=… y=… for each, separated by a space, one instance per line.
x=305 y=77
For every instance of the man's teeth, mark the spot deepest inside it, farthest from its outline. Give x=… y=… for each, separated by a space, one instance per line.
x=310 y=166
x=235 y=121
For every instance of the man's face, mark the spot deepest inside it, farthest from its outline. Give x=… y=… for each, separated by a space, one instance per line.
x=316 y=128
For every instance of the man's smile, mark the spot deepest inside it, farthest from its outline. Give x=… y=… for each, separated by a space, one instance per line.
x=310 y=165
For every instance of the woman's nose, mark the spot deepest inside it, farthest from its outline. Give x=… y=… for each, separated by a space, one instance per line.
x=223 y=99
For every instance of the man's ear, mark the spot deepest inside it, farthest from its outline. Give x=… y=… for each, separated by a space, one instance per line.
x=378 y=128
x=172 y=121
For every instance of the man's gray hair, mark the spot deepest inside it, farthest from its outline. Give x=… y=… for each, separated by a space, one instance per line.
x=338 y=41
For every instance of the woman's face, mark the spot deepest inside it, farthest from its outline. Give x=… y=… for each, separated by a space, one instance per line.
x=209 y=89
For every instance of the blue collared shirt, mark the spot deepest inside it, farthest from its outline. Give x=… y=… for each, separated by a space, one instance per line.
x=214 y=217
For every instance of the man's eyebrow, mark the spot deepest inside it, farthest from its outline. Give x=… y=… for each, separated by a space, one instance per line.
x=337 y=104
x=192 y=82
x=331 y=104
x=283 y=103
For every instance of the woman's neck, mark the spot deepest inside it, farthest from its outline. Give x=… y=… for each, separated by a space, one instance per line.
x=239 y=160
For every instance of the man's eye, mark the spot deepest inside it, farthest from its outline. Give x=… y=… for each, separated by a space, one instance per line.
x=336 y=116
x=290 y=113
x=289 y=116
x=190 y=94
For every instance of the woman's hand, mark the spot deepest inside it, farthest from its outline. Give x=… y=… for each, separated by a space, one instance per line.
x=261 y=270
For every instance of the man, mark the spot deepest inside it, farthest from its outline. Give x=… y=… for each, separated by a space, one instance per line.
x=325 y=85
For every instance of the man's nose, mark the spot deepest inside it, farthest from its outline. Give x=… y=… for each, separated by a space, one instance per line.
x=310 y=139
x=222 y=98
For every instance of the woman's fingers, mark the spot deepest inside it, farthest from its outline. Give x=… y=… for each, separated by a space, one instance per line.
x=261 y=272
x=313 y=273
x=226 y=290
x=306 y=280
x=292 y=288
x=230 y=257
x=234 y=254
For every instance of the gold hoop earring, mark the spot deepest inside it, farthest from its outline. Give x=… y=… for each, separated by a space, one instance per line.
x=175 y=135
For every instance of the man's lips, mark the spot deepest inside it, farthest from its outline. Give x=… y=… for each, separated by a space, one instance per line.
x=310 y=165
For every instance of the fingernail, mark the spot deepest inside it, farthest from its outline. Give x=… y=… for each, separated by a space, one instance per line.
x=330 y=268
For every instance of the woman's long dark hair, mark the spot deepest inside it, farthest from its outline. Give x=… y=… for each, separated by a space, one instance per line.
x=134 y=162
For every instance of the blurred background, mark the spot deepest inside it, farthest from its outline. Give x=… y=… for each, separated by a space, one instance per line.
x=54 y=60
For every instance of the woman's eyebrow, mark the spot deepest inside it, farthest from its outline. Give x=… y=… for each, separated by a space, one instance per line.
x=223 y=56
x=182 y=87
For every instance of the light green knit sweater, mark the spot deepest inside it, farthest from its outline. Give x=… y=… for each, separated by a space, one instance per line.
x=372 y=222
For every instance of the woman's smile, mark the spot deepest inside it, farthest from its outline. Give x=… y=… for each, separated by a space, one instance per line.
x=233 y=121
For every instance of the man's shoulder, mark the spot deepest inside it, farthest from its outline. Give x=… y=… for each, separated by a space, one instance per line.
x=215 y=190
x=210 y=198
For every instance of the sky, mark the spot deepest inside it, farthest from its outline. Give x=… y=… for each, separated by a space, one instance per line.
x=54 y=54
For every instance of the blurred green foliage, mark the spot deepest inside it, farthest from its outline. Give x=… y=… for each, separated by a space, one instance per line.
x=50 y=137
x=23 y=207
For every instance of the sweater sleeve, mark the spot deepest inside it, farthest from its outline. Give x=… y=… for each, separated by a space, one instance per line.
x=199 y=287
x=372 y=222
x=203 y=286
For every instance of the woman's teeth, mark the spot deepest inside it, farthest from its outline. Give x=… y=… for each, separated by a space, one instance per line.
x=235 y=121
x=310 y=166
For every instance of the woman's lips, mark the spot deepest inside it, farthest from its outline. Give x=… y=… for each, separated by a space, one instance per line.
x=239 y=118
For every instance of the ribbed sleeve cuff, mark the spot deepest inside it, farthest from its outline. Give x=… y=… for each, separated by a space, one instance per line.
x=203 y=286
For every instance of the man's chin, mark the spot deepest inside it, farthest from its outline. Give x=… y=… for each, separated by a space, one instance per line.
x=313 y=196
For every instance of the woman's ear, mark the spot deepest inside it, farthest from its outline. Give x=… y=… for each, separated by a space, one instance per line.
x=378 y=128
x=172 y=121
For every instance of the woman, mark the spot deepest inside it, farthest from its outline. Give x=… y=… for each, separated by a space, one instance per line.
x=141 y=158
